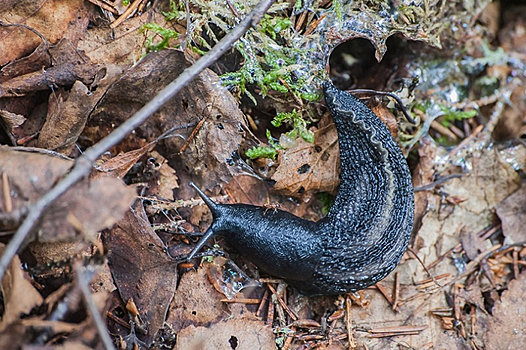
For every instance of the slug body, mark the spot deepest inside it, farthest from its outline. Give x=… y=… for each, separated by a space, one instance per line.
x=367 y=230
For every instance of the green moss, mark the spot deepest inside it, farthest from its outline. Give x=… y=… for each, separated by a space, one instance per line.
x=270 y=151
x=450 y=115
x=326 y=200
x=272 y=26
x=166 y=35
x=299 y=125
x=262 y=152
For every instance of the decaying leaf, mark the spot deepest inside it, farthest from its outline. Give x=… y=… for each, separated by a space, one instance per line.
x=231 y=334
x=141 y=269
x=201 y=100
x=19 y=296
x=85 y=209
x=195 y=303
x=53 y=19
x=512 y=213
x=67 y=116
x=507 y=327
x=310 y=168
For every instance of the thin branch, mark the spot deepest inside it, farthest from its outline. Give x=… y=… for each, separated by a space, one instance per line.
x=83 y=278
x=83 y=164
x=389 y=94
x=20 y=25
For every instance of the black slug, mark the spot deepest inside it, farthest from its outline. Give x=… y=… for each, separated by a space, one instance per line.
x=367 y=230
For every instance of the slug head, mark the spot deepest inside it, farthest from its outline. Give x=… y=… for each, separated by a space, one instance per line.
x=216 y=213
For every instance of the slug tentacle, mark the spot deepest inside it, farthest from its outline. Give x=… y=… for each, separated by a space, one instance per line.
x=366 y=232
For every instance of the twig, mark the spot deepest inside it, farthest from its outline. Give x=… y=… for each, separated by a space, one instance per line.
x=348 y=323
x=262 y=303
x=382 y=290
x=426 y=269
x=82 y=281
x=129 y=11
x=192 y=135
x=291 y=313
x=434 y=184
x=390 y=94
x=396 y=292
x=83 y=164
x=20 y=25
x=8 y=204
x=104 y=6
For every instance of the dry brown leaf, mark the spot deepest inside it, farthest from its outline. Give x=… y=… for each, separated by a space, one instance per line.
x=10 y=122
x=119 y=165
x=141 y=269
x=423 y=175
x=67 y=116
x=123 y=45
x=30 y=174
x=512 y=213
x=239 y=334
x=473 y=244
x=84 y=209
x=507 y=327
x=249 y=190
x=88 y=207
x=37 y=60
x=19 y=295
x=54 y=19
x=220 y=135
x=196 y=302
x=490 y=181
x=310 y=168
x=167 y=178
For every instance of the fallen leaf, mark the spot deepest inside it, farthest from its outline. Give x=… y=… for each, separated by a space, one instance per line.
x=19 y=295
x=119 y=165
x=85 y=209
x=512 y=213
x=167 y=180
x=202 y=99
x=54 y=19
x=507 y=328
x=37 y=60
x=196 y=302
x=67 y=116
x=239 y=334
x=310 y=167
x=141 y=268
x=10 y=122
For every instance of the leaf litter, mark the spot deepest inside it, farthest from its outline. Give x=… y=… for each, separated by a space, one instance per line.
x=459 y=285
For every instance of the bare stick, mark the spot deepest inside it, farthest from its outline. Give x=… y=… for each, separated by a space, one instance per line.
x=83 y=164
x=390 y=94
x=83 y=283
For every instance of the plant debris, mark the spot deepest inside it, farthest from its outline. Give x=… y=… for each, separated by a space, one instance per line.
x=105 y=264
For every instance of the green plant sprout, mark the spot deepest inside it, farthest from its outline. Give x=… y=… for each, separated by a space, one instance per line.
x=450 y=115
x=270 y=151
x=299 y=125
x=166 y=35
x=299 y=129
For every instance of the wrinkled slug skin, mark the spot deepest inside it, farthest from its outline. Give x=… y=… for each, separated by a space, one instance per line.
x=367 y=230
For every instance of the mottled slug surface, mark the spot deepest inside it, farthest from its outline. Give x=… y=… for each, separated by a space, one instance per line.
x=366 y=232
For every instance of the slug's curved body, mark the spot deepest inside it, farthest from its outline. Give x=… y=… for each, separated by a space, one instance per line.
x=366 y=232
